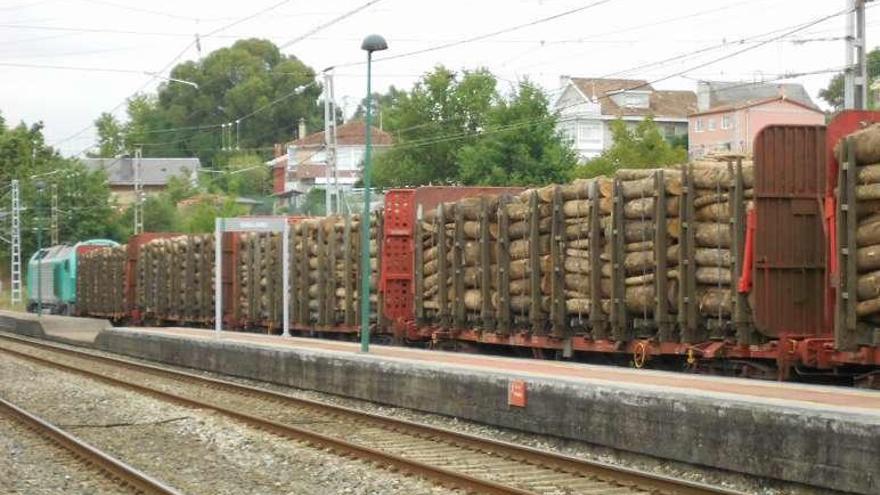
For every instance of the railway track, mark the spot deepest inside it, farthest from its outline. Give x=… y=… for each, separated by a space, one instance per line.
x=453 y=459
x=84 y=463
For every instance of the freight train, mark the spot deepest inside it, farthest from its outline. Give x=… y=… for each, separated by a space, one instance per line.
x=51 y=276
x=767 y=268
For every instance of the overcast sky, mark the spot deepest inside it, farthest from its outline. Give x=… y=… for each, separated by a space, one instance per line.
x=603 y=40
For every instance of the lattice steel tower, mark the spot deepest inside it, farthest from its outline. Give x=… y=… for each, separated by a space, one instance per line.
x=15 y=240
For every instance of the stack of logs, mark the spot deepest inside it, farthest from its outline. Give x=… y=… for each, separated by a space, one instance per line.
x=713 y=234
x=585 y=254
x=865 y=150
x=100 y=282
x=325 y=271
x=258 y=297
x=176 y=279
x=641 y=209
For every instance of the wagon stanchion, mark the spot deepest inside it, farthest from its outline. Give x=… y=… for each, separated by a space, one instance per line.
x=740 y=315
x=536 y=313
x=619 y=323
x=503 y=252
x=487 y=315
x=557 y=267
x=661 y=269
x=419 y=270
x=442 y=270
x=598 y=320
x=687 y=303
x=458 y=308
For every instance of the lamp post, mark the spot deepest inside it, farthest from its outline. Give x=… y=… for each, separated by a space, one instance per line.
x=372 y=43
x=40 y=185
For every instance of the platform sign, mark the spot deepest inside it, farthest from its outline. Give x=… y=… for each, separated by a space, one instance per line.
x=516 y=393
x=267 y=224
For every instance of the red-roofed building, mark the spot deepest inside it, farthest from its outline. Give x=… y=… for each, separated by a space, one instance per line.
x=302 y=164
x=732 y=115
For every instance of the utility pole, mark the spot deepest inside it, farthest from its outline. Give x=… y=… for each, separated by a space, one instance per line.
x=330 y=144
x=16 y=244
x=138 y=193
x=855 y=88
x=53 y=226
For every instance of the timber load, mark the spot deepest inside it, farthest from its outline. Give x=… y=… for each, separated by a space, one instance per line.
x=607 y=257
x=325 y=272
x=175 y=279
x=861 y=187
x=101 y=283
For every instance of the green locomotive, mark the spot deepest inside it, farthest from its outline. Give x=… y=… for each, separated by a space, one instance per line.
x=51 y=276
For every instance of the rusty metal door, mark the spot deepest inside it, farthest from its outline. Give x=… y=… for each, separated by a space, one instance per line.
x=790 y=244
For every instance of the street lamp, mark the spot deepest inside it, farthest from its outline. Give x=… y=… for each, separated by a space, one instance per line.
x=372 y=43
x=40 y=185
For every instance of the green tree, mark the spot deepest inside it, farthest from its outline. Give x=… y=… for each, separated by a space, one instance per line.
x=642 y=146
x=110 y=136
x=431 y=123
x=85 y=210
x=199 y=218
x=160 y=214
x=520 y=146
x=250 y=78
x=314 y=203
x=247 y=175
x=833 y=93
x=380 y=102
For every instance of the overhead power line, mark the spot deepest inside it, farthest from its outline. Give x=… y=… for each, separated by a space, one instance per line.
x=174 y=60
x=327 y=24
x=480 y=37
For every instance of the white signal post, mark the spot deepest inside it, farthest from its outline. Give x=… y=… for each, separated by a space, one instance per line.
x=268 y=224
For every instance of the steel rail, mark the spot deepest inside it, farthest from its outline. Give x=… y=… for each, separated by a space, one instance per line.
x=126 y=474
x=649 y=482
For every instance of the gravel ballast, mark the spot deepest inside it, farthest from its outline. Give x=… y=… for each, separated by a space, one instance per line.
x=193 y=450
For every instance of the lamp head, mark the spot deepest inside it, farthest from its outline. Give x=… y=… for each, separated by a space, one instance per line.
x=40 y=185
x=374 y=43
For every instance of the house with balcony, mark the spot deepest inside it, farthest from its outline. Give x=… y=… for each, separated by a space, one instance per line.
x=587 y=107
x=302 y=164
x=730 y=115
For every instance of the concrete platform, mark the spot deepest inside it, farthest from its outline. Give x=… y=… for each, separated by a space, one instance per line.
x=821 y=436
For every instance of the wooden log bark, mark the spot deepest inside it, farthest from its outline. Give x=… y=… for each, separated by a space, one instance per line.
x=520 y=247
x=868 y=232
x=713 y=235
x=714 y=301
x=517 y=210
x=866 y=144
x=644 y=187
x=713 y=257
x=576 y=208
x=715 y=212
x=635 y=209
x=709 y=175
x=868 y=191
x=868 y=307
x=868 y=258
x=642 y=230
x=869 y=286
x=713 y=275
x=869 y=174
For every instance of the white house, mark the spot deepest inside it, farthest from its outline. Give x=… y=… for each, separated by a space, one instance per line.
x=588 y=106
x=302 y=164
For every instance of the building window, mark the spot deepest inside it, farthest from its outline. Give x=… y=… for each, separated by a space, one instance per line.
x=711 y=124
x=589 y=133
x=727 y=121
x=568 y=132
x=698 y=125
